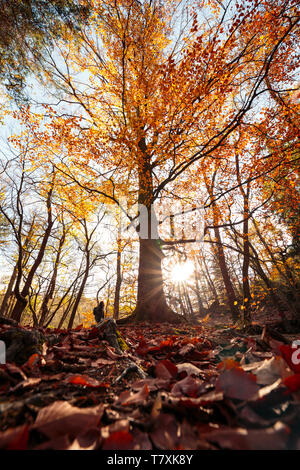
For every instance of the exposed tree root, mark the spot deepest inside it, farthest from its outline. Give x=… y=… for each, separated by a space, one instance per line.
x=132 y=367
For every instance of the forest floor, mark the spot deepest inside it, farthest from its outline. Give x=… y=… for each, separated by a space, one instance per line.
x=187 y=387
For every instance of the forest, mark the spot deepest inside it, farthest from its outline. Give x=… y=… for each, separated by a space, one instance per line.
x=149 y=225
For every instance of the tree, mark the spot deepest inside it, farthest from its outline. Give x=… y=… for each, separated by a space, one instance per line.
x=153 y=108
x=27 y=27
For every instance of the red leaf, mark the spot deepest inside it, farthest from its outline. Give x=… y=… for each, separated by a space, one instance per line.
x=292 y=382
x=142 y=347
x=93 y=333
x=165 y=369
x=228 y=364
x=78 y=328
x=32 y=361
x=15 y=439
x=168 y=343
x=86 y=381
x=120 y=440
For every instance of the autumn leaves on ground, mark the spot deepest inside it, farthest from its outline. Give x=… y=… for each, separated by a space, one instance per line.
x=166 y=388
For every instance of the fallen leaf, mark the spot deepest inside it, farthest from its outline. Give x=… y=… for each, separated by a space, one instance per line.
x=188 y=386
x=129 y=398
x=236 y=383
x=58 y=443
x=15 y=439
x=270 y=370
x=165 y=369
x=152 y=384
x=189 y=368
x=26 y=383
x=120 y=440
x=165 y=434
x=61 y=418
x=273 y=438
x=86 y=381
x=187 y=348
x=89 y=440
x=141 y=440
x=292 y=382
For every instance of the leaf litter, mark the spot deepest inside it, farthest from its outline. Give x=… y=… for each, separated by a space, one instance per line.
x=169 y=389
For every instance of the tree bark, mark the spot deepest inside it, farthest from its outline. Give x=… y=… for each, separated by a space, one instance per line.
x=231 y=298
x=9 y=291
x=5 y=307
x=118 y=282
x=151 y=301
x=21 y=297
x=44 y=310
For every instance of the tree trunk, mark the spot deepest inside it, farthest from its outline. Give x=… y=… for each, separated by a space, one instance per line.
x=151 y=301
x=9 y=291
x=21 y=297
x=118 y=282
x=44 y=310
x=225 y=275
x=6 y=303
x=81 y=289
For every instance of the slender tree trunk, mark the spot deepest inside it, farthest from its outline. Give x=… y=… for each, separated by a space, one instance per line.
x=44 y=310
x=245 y=271
x=274 y=297
x=9 y=291
x=181 y=303
x=219 y=250
x=7 y=300
x=199 y=299
x=81 y=289
x=21 y=297
x=246 y=316
x=231 y=298
x=188 y=303
x=118 y=282
x=210 y=282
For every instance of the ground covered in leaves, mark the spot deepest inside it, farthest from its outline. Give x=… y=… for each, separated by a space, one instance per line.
x=171 y=388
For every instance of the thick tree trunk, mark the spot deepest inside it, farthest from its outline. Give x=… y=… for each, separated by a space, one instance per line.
x=151 y=301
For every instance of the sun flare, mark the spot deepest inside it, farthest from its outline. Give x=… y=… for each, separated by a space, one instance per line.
x=182 y=271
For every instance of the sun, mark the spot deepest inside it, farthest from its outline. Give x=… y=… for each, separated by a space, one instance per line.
x=181 y=271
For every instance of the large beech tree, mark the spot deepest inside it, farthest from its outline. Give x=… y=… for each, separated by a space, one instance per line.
x=150 y=99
